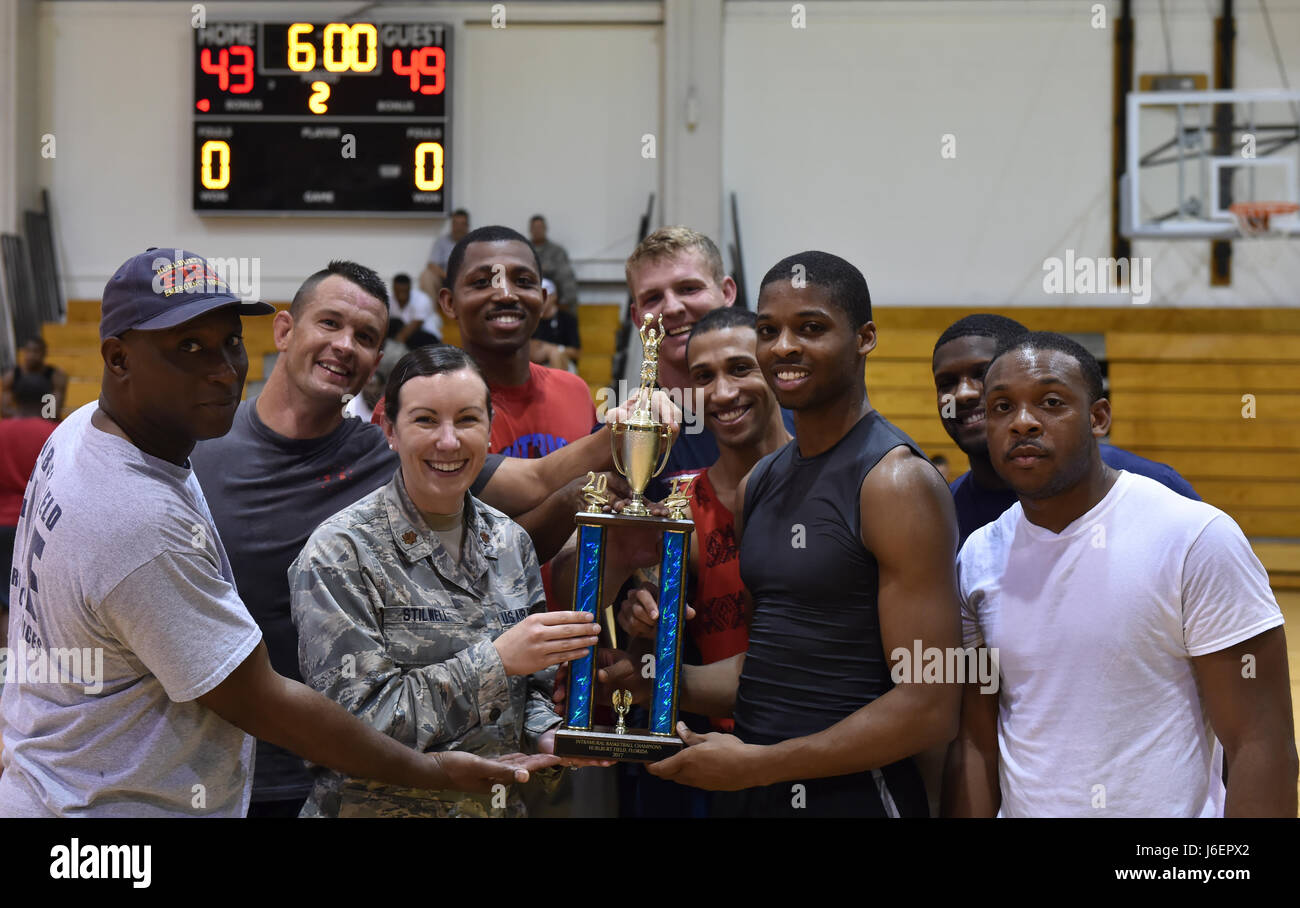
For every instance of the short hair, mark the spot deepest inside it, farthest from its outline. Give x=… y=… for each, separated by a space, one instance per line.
x=365 y=278
x=1050 y=340
x=493 y=234
x=720 y=320
x=536 y=217
x=843 y=282
x=667 y=242
x=37 y=341
x=460 y=213
x=433 y=359
x=982 y=324
x=939 y=459
x=402 y=278
x=30 y=390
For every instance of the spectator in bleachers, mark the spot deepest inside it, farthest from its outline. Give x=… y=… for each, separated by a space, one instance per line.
x=21 y=438
x=434 y=274
x=555 y=265
x=941 y=464
x=33 y=362
x=556 y=342
x=413 y=319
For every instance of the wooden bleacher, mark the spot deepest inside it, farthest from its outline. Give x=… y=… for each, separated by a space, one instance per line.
x=1177 y=379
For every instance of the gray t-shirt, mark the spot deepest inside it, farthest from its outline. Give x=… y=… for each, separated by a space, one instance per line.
x=441 y=251
x=124 y=613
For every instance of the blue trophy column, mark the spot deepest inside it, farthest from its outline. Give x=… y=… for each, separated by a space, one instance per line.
x=586 y=598
x=672 y=574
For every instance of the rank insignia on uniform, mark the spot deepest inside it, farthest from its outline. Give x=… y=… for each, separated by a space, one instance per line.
x=409 y=537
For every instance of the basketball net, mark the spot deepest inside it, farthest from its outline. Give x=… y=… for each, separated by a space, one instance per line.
x=1253 y=222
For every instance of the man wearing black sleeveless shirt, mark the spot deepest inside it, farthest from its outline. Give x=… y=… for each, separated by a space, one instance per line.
x=849 y=538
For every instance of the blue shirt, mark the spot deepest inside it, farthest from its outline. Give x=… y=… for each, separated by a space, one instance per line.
x=977 y=506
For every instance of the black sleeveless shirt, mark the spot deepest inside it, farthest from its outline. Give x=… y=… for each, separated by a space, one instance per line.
x=815 y=650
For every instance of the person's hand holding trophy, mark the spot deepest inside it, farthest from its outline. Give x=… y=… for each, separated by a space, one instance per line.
x=641 y=446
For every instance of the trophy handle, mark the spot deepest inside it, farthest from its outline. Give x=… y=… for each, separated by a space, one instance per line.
x=667 y=436
x=614 y=435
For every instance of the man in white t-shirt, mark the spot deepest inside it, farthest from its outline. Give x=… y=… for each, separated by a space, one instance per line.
x=413 y=319
x=1139 y=646
x=136 y=674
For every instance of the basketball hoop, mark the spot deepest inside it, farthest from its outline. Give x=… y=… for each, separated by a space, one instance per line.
x=1253 y=217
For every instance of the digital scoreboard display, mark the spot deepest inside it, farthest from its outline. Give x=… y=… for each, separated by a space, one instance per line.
x=322 y=118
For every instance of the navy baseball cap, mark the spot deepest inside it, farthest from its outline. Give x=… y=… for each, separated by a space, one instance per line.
x=163 y=288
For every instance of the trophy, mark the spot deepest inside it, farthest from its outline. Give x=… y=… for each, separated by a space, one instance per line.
x=641 y=447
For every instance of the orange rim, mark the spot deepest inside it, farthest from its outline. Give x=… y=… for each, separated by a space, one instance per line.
x=1255 y=215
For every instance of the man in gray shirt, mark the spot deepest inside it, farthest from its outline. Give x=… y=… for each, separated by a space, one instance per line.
x=555 y=264
x=435 y=272
x=141 y=674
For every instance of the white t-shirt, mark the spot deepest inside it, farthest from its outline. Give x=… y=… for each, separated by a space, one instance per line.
x=419 y=308
x=1098 y=709
x=119 y=562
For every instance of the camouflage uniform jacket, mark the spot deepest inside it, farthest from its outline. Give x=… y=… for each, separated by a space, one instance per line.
x=391 y=626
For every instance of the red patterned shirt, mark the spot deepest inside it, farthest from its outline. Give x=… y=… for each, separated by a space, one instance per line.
x=720 y=628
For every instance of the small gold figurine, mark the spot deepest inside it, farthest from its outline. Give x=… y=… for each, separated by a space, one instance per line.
x=650 y=341
x=622 y=704
x=595 y=495
x=678 y=499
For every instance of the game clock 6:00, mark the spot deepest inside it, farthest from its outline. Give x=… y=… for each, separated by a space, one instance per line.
x=322 y=118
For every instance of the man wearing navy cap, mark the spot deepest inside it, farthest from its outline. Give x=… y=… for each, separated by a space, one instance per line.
x=136 y=670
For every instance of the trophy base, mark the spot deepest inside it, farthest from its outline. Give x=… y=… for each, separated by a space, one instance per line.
x=601 y=742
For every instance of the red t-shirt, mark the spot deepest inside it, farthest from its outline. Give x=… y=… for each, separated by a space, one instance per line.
x=20 y=444
x=550 y=410
x=720 y=628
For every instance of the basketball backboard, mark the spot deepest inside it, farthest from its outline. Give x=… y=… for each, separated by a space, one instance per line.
x=1184 y=167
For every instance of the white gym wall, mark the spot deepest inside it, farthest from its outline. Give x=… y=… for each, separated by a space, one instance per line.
x=830 y=134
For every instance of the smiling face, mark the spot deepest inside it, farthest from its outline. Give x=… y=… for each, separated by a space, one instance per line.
x=1042 y=430
x=498 y=296
x=334 y=344
x=807 y=348
x=738 y=404
x=959 y=367
x=184 y=382
x=441 y=436
x=681 y=288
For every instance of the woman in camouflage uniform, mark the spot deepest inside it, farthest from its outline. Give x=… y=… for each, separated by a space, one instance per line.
x=421 y=609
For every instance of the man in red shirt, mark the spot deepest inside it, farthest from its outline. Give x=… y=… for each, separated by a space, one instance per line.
x=21 y=439
x=494 y=290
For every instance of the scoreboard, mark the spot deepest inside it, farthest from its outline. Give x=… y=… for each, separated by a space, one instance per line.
x=304 y=118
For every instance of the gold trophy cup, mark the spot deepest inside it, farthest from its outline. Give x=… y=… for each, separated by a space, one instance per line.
x=641 y=445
